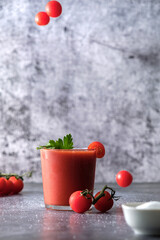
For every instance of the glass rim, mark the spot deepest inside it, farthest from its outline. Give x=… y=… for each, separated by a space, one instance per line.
x=73 y=149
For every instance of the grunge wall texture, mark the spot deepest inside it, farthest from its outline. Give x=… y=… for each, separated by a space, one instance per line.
x=94 y=72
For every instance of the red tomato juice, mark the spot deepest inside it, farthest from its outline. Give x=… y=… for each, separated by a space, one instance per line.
x=66 y=171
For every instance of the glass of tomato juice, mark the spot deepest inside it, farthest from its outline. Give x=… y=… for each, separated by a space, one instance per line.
x=65 y=171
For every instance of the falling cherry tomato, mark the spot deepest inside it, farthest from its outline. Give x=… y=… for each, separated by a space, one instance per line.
x=42 y=18
x=80 y=203
x=124 y=178
x=99 y=147
x=53 y=9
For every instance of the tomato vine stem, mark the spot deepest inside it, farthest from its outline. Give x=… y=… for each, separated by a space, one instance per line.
x=102 y=194
x=87 y=192
x=7 y=176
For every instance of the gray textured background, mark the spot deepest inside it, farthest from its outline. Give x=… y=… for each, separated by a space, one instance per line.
x=94 y=72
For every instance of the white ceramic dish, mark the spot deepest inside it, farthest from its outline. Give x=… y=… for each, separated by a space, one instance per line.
x=142 y=221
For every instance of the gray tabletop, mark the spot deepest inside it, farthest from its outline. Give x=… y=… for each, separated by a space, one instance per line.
x=24 y=216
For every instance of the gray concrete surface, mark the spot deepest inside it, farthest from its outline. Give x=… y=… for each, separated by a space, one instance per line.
x=94 y=72
x=25 y=217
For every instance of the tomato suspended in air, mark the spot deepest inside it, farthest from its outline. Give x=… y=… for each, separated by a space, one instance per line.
x=53 y=9
x=42 y=18
x=124 y=178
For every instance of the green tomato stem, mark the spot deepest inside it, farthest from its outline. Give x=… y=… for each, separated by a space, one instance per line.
x=102 y=194
x=7 y=176
x=87 y=192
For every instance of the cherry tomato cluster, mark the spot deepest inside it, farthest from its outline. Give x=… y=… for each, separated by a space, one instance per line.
x=12 y=183
x=53 y=9
x=81 y=201
x=10 y=186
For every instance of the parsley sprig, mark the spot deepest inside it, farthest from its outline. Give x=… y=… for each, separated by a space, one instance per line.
x=66 y=143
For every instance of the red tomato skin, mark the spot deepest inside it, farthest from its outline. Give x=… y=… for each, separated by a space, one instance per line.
x=9 y=187
x=104 y=203
x=124 y=178
x=42 y=18
x=17 y=184
x=99 y=147
x=80 y=203
x=2 y=184
x=53 y=9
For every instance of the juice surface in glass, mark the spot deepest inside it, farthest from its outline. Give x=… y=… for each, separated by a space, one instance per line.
x=64 y=172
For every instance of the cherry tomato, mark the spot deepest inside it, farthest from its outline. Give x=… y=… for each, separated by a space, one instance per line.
x=9 y=187
x=99 y=147
x=2 y=185
x=124 y=178
x=104 y=203
x=18 y=184
x=53 y=9
x=42 y=18
x=80 y=203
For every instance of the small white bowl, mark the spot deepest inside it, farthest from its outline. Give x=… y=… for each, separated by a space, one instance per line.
x=142 y=221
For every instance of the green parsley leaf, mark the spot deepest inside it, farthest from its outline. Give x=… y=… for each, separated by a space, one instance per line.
x=66 y=143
